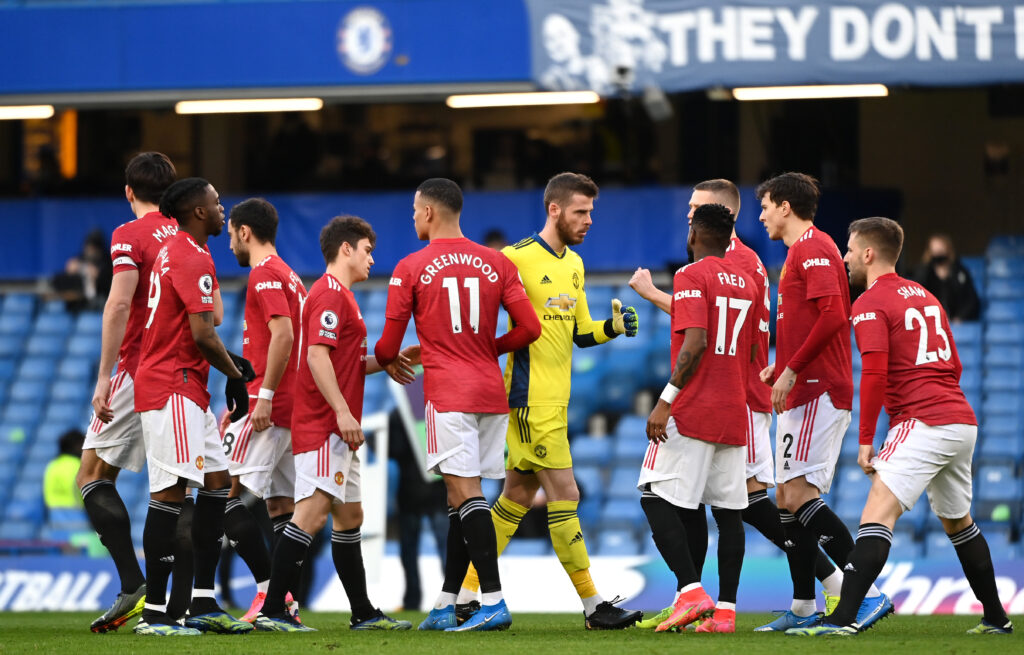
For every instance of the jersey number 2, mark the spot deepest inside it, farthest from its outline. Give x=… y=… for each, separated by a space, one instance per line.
x=925 y=356
x=472 y=284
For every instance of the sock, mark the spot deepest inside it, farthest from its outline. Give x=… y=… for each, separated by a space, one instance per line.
x=478 y=533
x=570 y=547
x=245 y=537
x=695 y=521
x=763 y=515
x=278 y=523
x=507 y=515
x=184 y=562
x=866 y=562
x=833 y=582
x=207 y=529
x=110 y=520
x=728 y=607
x=670 y=537
x=347 y=552
x=731 y=545
x=444 y=600
x=291 y=550
x=830 y=530
x=456 y=559
x=976 y=560
x=800 y=552
x=158 y=545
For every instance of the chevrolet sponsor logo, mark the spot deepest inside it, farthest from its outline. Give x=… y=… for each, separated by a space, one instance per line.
x=562 y=302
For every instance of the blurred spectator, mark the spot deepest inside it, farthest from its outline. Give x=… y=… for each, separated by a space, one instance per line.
x=85 y=280
x=942 y=273
x=495 y=239
x=59 y=488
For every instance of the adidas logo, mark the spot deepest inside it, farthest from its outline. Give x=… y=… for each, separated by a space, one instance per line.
x=786 y=467
x=850 y=567
x=578 y=538
x=299 y=562
x=545 y=280
x=167 y=558
x=788 y=544
x=232 y=542
x=824 y=539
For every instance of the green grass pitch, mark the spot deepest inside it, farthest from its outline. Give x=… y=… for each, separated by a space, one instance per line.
x=531 y=634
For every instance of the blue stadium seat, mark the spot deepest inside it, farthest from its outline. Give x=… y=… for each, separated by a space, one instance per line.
x=622 y=514
x=976 y=267
x=47 y=345
x=970 y=379
x=17 y=530
x=853 y=483
x=590 y=480
x=904 y=547
x=376 y=302
x=938 y=546
x=617 y=542
x=1003 y=310
x=1001 y=448
x=1000 y=426
x=72 y=392
x=997 y=482
x=588 y=450
x=617 y=389
x=67 y=414
x=631 y=426
x=849 y=510
x=1002 y=403
x=89 y=323
x=528 y=547
x=37 y=368
x=18 y=303
x=26 y=415
x=970 y=355
x=26 y=502
x=659 y=367
x=997 y=334
x=29 y=391
x=1005 y=289
x=82 y=345
x=1003 y=379
x=75 y=369
x=629 y=451
x=758 y=546
x=53 y=307
x=1005 y=266
x=967 y=334
x=15 y=324
x=7 y=365
x=53 y=325
x=1005 y=245
x=622 y=484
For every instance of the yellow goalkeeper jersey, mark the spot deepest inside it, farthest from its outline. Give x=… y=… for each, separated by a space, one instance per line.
x=540 y=373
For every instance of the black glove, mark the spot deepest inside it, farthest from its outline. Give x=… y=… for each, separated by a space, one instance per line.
x=243 y=365
x=237 y=396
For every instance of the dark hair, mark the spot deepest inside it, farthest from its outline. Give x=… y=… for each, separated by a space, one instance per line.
x=443 y=191
x=259 y=215
x=724 y=190
x=182 y=197
x=149 y=174
x=883 y=234
x=799 y=189
x=561 y=188
x=714 y=223
x=344 y=229
x=70 y=443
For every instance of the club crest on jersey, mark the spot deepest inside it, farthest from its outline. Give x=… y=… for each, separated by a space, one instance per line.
x=540 y=451
x=200 y=462
x=339 y=478
x=562 y=302
x=575 y=280
x=329 y=320
x=206 y=284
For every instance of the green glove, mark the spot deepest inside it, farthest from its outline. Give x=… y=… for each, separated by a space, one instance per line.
x=624 y=319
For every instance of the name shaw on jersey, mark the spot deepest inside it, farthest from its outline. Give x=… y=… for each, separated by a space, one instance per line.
x=908 y=292
x=443 y=261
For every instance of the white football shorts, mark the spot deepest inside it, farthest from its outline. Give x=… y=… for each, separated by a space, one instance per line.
x=262 y=461
x=917 y=457
x=687 y=472
x=760 y=464
x=332 y=468
x=182 y=441
x=119 y=443
x=466 y=444
x=807 y=442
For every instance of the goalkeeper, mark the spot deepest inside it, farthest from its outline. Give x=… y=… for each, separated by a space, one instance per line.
x=537 y=381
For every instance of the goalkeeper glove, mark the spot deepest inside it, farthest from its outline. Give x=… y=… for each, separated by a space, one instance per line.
x=624 y=319
x=243 y=365
x=235 y=391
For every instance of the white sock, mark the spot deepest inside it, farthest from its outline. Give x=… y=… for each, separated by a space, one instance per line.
x=465 y=596
x=725 y=606
x=803 y=607
x=590 y=604
x=676 y=597
x=491 y=597
x=688 y=588
x=156 y=608
x=834 y=583
x=444 y=600
x=262 y=587
x=873 y=591
x=202 y=593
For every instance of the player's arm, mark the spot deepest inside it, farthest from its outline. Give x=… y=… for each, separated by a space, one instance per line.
x=831 y=319
x=213 y=351
x=401 y=368
x=526 y=328
x=218 y=308
x=282 y=337
x=396 y=315
x=587 y=332
x=695 y=342
x=643 y=284
x=115 y=320
x=873 y=378
x=319 y=360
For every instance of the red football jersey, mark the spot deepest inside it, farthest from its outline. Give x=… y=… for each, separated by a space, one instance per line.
x=902 y=319
x=330 y=317
x=274 y=290
x=813 y=269
x=759 y=394
x=716 y=295
x=134 y=247
x=453 y=288
x=182 y=283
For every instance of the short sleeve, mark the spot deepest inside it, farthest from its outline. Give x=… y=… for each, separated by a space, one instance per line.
x=689 y=301
x=270 y=295
x=513 y=290
x=399 y=306
x=870 y=327
x=821 y=270
x=194 y=281
x=324 y=319
x=125 y=253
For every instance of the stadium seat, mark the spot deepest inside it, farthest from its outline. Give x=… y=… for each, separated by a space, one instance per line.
x=849 y=510
x=996 y=482
x=629 y=451
x=590 y=481
x=84 y=345
x=1005 y=245
x=617 y=542
x=1002 y=403
x=1005 y=266
x=631 y=426
x=756 y=545
x=622 y=514
x=89 y=323
x=904 y=547
x=18 y=530
x=53 y=325
x=938 y=546
x=997 y=334
x=68 y=414
x=1003 y=379
x=971 y=379
x=73 y=392
x=617 y=389
x=26 y=415
x=76 y=370
x=1002 y=310
x=967 y=334
x=622 y=484
x=532 y=547
x=29 y=391
x=1000 y=426
x=15 y=324
x=18 y=303
x=970 y=355
x=47 y=345
x=853 y=483
x=26 y=502
x=37 y=368
x=1001 y=448
x=1005 y=289
x=588 y=450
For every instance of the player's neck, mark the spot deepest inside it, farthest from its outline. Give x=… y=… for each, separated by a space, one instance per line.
x=340 y=272
x=795 y=229
x=196 y=230
x=445 y=229
x=260 y=251
x=875 y=272
x=550 y=236
x=140 y=208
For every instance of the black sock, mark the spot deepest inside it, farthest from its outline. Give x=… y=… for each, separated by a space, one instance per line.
x=832 y=533
x=456 y=558
x=823 y=566
x=291 y=550
x=731 y=544
x=347 y=553
x=158 y=545
x=671 y=538
x=478 y=533
x=801 y=546
x=207 y=529
x=976 y=560
x=865 y=563
x=110 y=520
x=695 y=521
x=245 y=537
x=184 y=562
x=762 y=514
x=278 y=523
